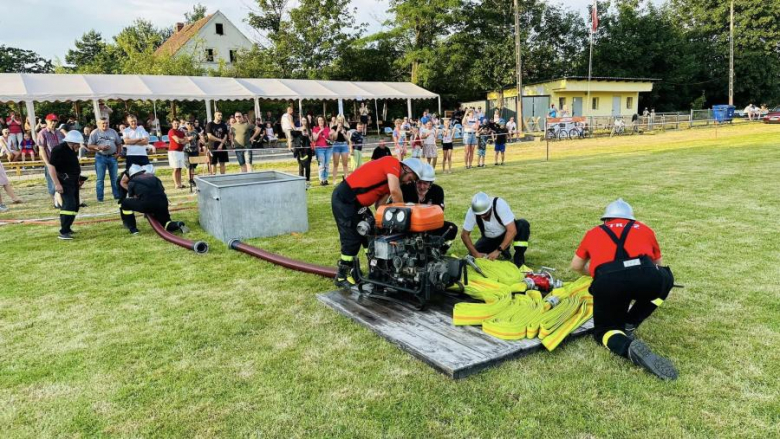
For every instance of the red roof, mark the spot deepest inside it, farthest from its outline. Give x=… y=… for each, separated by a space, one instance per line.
x=180 y=38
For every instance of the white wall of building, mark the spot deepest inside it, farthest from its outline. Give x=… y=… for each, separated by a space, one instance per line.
x=221 y=45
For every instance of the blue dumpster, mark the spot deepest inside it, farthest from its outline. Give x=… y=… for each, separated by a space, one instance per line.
x=723 y=113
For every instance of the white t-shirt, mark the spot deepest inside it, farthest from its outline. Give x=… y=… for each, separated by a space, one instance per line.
x=447 y=135
x=493 y=228
x=137 y=133
x=287 y=123
x=430 y=140
x=511 y=126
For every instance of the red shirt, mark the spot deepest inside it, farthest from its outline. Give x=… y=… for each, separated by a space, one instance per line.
x=374 y=173
x=175 y=146
x=14 y=126
x=599 y=248
x=322 y=139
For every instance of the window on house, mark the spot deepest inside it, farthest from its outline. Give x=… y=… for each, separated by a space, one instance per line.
x=595 y=105
x=220 y=29
x=629 y=103
x=561 y=103
x=209 y=55
x=232 y=56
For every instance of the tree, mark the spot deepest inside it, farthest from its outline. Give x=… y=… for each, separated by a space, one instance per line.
x=15 y=60
x=140 y=36
x=268 y=17
x=308 y=42
x=92 y=55
x=756 y=49
x=198 y=12
x=420 y=24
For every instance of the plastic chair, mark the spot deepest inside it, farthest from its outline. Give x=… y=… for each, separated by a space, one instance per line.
x=153 y=139
x=388 y=131
x=165 y=138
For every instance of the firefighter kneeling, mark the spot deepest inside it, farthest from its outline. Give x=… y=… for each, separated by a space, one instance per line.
x=499 y=228
x=370 y=184
x=425 y=191
x=145 y=194
x=625 y=262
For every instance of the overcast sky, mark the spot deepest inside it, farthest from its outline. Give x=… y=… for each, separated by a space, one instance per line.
x=50 y=27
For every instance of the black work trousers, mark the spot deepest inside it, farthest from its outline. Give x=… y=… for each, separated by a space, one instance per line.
x=612 y=294
x=70 y=201
x=156 y=207
x=304 y=165
x=520 y=243
x=347 y=213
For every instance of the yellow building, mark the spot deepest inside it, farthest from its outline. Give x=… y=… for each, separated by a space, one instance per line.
x=608 y=96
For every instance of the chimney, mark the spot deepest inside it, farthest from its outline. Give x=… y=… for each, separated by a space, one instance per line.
x=178 y=27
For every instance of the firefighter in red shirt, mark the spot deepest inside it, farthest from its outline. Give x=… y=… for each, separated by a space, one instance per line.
x=370 y=184
x=624 y=259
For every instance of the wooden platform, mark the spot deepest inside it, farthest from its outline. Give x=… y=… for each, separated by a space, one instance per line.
x=429 y=335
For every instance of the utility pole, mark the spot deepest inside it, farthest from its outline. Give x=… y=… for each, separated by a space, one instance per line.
x=731 y=56
x=519 y=67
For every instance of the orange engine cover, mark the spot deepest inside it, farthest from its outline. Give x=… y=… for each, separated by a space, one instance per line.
x=419 y=217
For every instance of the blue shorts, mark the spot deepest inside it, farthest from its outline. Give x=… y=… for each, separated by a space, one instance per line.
x=340 y=148
x=500 y=147
x=470 y=138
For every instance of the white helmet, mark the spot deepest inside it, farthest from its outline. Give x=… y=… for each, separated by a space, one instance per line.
x=416 y=166
x=618 y=209
x=74 y=136
x=428 y=173
x=480 y=203
x=135 y=169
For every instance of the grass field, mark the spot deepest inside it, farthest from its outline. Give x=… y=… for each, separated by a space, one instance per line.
x=115 y=335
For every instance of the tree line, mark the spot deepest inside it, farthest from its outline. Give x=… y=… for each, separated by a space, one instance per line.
x=462 y=49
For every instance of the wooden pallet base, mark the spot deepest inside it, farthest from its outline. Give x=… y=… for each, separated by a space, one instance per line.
x=429 y=335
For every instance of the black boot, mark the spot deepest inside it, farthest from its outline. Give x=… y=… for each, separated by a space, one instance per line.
x=344 y=278
x=641 y=355
x=519 y=258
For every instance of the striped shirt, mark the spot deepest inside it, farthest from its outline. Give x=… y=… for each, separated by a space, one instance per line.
x=47 y=140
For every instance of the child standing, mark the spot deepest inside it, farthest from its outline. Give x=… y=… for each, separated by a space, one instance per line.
x=499 y=137
x=28 y=147
x=483 y=135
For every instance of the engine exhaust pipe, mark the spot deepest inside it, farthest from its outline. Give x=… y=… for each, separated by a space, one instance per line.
x=273 y=258
x=196 y=246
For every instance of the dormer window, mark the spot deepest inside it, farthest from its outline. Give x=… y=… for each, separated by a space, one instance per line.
x=220 y=29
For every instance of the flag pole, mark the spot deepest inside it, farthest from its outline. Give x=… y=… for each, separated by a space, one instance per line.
x=588 y=104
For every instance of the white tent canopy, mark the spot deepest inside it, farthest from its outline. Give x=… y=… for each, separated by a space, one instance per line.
x=21 y=87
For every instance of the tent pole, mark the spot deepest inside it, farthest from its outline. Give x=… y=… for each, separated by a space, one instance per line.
x=376 y=117
x=154 y=108
x=439 y=99
x=300 y=109
x=31 y=117
x=409 y=108
x=341 y=107
x=324 y=116
x=96 y=109
x=257 y=108
x=209 y=116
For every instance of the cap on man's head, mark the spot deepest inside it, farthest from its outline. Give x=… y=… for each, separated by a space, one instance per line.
x=52 y=116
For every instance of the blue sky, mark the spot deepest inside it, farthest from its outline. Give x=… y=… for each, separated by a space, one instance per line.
x=50 y=27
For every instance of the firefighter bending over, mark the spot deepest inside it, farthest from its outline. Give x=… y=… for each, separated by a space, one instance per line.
x=624 y=259
x=145 y=194
x=500 y=230
x=370 y=184
x=425 y=191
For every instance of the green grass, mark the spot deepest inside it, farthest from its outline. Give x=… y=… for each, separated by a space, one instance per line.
x=113 y=335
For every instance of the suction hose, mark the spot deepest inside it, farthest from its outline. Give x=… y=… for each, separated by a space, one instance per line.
x=319 y=270
x=196 y=246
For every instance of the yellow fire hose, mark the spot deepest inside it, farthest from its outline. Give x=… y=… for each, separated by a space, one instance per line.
x=522 y=316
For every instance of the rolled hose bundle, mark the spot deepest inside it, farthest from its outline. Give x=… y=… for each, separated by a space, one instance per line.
x=273 y=258
x=196 y=246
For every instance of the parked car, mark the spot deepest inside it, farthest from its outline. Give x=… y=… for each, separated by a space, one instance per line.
x=773 y=116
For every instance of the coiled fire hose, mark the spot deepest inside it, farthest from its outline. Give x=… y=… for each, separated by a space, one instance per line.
x=522 y=316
